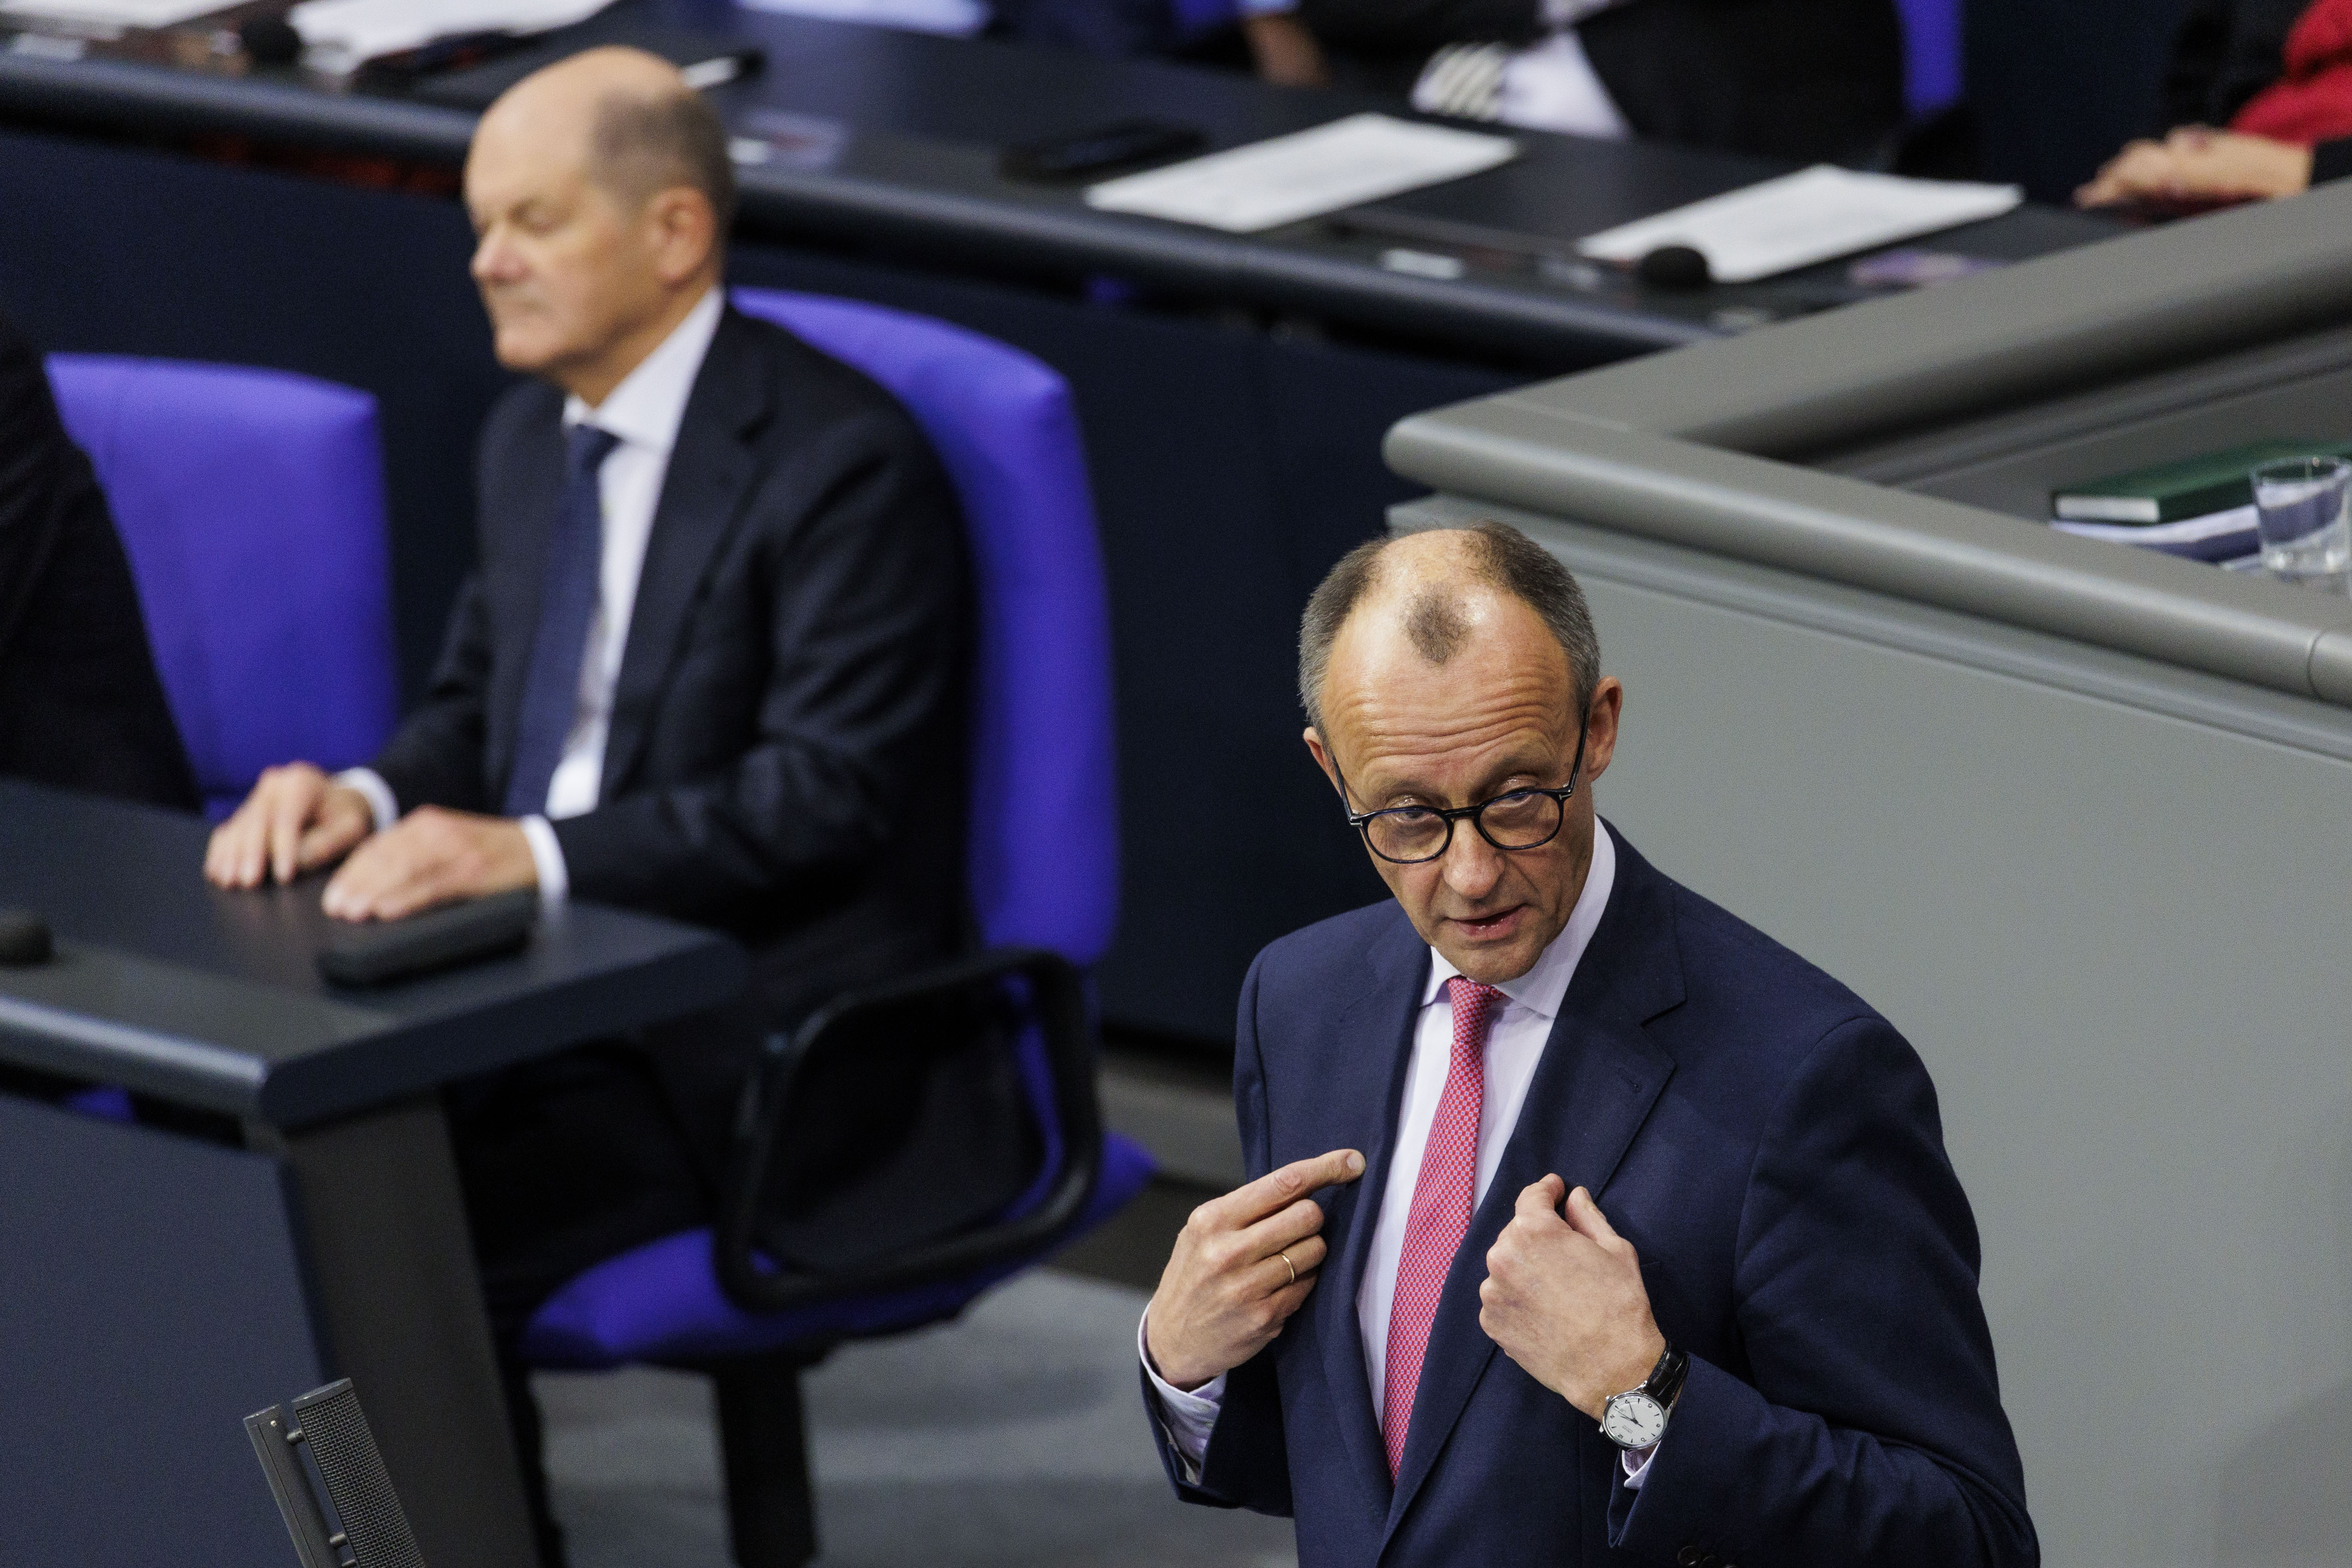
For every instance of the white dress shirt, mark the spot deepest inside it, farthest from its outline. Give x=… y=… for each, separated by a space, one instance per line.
x=1549 y=84
x=1515 y=1044
x=644 y=412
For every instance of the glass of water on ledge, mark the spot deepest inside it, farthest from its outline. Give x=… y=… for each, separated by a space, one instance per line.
x=2300 y=511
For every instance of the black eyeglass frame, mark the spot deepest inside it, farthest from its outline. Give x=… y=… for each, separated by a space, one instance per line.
x=1362 y=821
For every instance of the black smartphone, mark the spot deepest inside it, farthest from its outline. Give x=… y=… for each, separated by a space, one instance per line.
x=1098 y=153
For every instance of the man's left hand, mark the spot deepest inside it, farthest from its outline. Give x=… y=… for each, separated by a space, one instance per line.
x=430 y=856
x=1564 y=1299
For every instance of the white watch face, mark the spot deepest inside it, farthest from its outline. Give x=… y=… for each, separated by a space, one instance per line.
x=1634 y=1421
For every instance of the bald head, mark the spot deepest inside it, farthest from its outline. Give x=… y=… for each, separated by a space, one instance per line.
x=601 y=191
x=1450 y=678
x=1434 y=589
x=630 y=119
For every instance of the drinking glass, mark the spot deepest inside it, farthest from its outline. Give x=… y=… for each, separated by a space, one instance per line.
x=2299 y=506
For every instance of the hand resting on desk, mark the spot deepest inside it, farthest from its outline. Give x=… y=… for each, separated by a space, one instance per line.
x=298 y=819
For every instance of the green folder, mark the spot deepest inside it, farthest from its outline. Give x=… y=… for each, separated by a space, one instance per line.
x=2194 y=487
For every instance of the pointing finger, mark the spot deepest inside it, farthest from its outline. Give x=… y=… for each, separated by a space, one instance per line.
x=1278 y=1188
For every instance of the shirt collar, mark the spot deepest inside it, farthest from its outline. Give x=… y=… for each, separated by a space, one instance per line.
x=649 y=404
x=1545 y=986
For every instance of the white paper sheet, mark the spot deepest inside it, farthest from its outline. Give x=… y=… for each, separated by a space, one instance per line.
x=956 y=18
x=1363 y=158
x=1799 y=219
x=111 y=13
x=344 y=34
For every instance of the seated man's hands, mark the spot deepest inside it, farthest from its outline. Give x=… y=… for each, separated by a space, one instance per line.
x=1284 y=51
x=2198 y=163
x=430 y=856
x=296 y=819
x=1564 y=1299
x=1227 y=1290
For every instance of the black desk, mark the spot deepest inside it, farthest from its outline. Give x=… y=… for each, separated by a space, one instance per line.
x=158 y=1286
x=1233 y=390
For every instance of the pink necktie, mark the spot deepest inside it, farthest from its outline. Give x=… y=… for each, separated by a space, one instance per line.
x=1441 y=1208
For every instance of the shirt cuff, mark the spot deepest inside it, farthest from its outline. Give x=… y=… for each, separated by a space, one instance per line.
x=547 y=859
x=1637 y=1464
x=1186 y=1418
x=370 y=783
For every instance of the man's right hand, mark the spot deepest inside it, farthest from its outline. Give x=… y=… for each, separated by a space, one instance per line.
x=1228 y=1290
x=296 y=819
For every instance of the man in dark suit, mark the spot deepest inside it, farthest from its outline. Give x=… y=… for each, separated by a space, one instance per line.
x=1658 y=1257
x=80 y=706
x=1790 y=79
x=709 y=666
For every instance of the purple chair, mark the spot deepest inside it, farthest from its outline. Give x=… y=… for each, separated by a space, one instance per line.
x=1932 y=66
x=1042 y=869
x=251 y=505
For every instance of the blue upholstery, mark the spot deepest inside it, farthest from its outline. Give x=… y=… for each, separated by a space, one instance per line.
x=1043 y=866
x=1933 y=74
x=251 y=505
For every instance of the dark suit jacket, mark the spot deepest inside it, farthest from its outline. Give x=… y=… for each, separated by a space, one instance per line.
x=2225 y=52
x=1791 y=78
x=80 y=706
x=1771 y=1147
x=786 y=752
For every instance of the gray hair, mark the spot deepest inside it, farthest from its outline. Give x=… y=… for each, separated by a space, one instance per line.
x=1498 y=556
x=645 y=144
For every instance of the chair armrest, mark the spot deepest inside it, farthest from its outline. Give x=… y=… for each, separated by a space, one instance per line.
x=1057 y=1002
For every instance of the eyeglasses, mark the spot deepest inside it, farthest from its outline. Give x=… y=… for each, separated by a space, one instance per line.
x=1517 y=820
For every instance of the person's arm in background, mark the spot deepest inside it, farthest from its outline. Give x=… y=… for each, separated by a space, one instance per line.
x=1420 y=27
x=2197 y=165
x=1282 y=48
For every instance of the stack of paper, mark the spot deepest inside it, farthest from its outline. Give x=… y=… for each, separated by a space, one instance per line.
x=1363 y=158
x=957 y=18
x=2217 y=536
x=109 y=15
x=1800 y=219
x=340 y=35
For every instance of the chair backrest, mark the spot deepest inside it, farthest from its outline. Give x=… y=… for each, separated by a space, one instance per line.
x=1042 y=861
x=1933 y=76
x=251 y=505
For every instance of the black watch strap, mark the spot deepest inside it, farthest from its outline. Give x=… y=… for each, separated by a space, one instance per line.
x=1666 y=1378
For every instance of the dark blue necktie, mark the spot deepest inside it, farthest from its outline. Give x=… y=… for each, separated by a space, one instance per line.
x=567 y=602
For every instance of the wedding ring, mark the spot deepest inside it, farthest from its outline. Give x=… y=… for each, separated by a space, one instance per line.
x=1289 y=1265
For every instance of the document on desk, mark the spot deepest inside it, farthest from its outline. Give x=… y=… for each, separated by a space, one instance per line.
x=1810 y=216
x=109 y=15
x=346 y=34
x=1363 y=158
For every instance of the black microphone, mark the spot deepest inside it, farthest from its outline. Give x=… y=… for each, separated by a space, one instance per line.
x=1677 y=266
x=271 y=41
x=24 y=939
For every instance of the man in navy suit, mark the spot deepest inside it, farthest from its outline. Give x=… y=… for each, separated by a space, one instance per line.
x=1658 y=1259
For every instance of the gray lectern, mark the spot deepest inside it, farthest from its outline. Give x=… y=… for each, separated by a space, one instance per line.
x=157 y=1284
x=2077 y=816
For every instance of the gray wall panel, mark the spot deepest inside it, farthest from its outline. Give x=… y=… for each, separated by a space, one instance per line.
x=2109 y=902
x=150 y=1297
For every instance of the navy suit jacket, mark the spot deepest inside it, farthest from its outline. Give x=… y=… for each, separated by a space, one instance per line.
x=786 y=753
x=1771 y=1147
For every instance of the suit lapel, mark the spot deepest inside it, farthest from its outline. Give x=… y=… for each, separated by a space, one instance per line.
x=1381 y=1016
x=1594 y=1088
x=701 y=495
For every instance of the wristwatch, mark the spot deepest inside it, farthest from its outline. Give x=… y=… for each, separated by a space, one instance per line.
x=1637 y=1418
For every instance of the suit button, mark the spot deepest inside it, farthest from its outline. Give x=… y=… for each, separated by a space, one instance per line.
x=1689 y=1556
